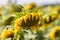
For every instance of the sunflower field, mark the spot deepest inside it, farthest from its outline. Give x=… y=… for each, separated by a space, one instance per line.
x=30 y=22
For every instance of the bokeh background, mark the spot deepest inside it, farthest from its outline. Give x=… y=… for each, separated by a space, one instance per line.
x=39 y=2
x=50 y=19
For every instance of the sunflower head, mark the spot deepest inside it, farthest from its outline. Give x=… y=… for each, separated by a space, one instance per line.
x=7 y=33
x=55 y=32
x=50 y=18
x=8 y=20
x=30 y=6
x=30 y=19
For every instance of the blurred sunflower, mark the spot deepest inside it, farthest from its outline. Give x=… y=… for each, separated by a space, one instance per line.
x=30 y=6
x=55 y=32
x=50 y=19
x=8 y=20
x=7 y=33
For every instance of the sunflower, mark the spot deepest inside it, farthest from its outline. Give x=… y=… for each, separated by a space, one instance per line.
x=55 y=32
x=8 y=20
x=30 y=20
x=30 y=6
x=50 y=19
x=7 y=33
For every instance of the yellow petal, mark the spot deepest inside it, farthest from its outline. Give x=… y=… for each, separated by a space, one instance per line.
x=33 y=14
x=47 y=19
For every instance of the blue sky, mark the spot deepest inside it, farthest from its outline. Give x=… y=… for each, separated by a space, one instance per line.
x=39 y=2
